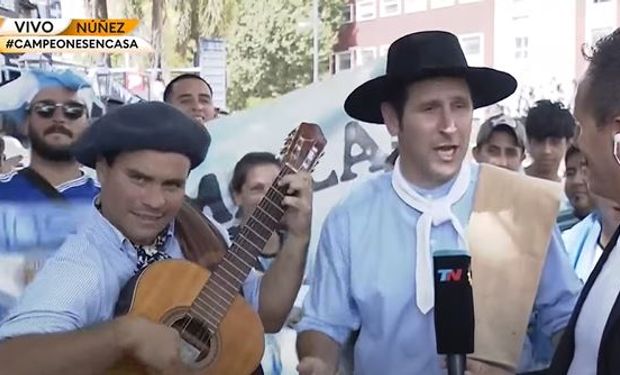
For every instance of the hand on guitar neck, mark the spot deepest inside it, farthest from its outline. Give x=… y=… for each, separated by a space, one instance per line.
x=298 y=203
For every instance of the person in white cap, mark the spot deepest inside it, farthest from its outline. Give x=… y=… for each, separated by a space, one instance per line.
x=501 y=142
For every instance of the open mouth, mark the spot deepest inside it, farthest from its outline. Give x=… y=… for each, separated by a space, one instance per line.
x=446 y=152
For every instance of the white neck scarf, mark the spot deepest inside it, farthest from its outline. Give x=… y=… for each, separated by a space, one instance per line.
x=434 y=212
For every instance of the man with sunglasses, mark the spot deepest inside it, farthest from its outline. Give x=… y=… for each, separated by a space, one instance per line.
x=53 y=120
x=34 y=215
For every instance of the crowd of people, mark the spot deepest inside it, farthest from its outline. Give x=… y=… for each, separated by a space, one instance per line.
x=119 y=183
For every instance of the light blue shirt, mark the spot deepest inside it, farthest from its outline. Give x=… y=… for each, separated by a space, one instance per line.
x=80 y=284
x=365 y=274
x=581 y=243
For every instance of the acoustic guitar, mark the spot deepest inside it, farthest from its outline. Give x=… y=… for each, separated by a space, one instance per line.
x=220 y=333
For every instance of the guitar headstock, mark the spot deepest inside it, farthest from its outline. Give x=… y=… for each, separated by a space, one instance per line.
x=303 y=148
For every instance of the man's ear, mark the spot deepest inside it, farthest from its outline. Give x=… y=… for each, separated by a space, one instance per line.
x=390 y=118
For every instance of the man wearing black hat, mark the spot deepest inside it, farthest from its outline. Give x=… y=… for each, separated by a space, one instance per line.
x=143 y=154
x=374 y=271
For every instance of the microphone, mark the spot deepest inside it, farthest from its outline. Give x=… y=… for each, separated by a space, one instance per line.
x=454 y=308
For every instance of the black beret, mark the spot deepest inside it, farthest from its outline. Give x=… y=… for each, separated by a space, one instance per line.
x=143 y=126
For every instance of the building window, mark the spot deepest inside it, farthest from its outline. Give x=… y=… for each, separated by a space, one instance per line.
x=389 y=8
x=365 y=10
x=383 y=49
x=521 y=48
x=410 y=6
x=347 y=13
x=473 y=48
x=343 y=61
x=365 y=55
x=441 y=3
x=597 y=34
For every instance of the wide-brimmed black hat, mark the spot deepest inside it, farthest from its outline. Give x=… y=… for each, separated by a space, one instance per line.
x=143 y=126
x=422 y=55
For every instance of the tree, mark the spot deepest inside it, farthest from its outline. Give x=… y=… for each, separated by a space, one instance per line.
x=269 y=51
x=201 y=18
x=99 y=9
x=157 y=25
x=135 y=9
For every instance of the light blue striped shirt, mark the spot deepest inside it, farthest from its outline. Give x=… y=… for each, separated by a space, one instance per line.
x=80 y=284
x=365 y=274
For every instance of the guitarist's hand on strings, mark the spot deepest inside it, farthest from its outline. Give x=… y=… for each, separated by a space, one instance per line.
x=298 y=203
x=154 y=345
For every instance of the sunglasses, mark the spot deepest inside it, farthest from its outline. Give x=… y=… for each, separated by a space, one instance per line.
x=71 y=110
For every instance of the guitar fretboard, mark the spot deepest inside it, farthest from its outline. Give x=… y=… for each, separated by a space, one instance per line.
x=226 y=281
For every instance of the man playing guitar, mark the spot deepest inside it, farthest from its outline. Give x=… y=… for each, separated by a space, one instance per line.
x=143 y=154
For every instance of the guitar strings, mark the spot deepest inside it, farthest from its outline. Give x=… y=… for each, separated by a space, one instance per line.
x=200 y=306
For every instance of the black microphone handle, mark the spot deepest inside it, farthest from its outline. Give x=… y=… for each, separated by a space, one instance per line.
x=456 y=364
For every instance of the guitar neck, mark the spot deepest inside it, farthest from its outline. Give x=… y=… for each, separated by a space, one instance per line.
x=229 y=276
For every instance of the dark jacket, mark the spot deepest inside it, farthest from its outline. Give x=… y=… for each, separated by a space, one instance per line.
x=608 y=362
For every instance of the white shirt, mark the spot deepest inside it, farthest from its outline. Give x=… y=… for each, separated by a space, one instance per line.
x=594 y=315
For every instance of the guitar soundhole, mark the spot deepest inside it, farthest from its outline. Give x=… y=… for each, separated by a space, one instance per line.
x=199 y=345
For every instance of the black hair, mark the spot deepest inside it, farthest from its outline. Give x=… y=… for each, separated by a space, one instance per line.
x=247 y=162
x=547 y=119
x=603 y=75
x=169 y=86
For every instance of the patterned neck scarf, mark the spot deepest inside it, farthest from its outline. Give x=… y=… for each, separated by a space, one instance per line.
x=152 y=253
x=148 y=254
